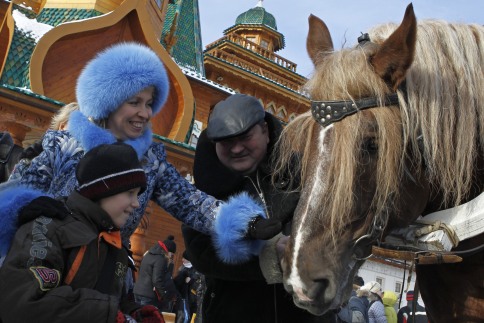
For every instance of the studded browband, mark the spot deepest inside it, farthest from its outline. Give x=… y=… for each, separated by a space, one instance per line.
x=327 y=112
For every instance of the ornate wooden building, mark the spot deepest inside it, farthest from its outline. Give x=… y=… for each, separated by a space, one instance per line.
x=45 y=43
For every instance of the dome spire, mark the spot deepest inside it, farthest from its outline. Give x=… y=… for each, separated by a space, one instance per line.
x=259 y=4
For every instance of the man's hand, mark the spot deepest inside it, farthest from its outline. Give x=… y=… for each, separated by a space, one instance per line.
x=263 y=229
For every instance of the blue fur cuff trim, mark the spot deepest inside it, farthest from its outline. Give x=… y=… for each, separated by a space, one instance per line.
x=231 y=226
x=12 y=200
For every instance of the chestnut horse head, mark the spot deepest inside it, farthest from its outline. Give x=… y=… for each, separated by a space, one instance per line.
x=396 y=131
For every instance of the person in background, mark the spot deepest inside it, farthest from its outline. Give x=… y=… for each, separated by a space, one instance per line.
x=151 y=286
x=407 y=312
x=233 y=155
x=67 y=262
x=9 y=155
x=356 y=310
x=376 y=311
x=118 y=93
x=168 y=303
x=188 y=283
x=389 y=300
x=58 y=122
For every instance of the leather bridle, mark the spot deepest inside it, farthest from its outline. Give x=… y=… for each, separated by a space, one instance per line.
x=328 y=112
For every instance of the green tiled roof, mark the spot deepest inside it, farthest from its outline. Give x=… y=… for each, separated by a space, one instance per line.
x=257 y=16
x=16 y=71
x=55 y=16
x=188 y=49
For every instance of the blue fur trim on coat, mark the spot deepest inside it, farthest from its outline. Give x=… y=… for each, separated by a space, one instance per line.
x=116 y=74
x=231 y=227
x=12 y=200
x=90 y=135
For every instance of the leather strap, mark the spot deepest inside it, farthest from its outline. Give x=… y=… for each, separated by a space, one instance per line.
x=327 y=112
x=420 y=257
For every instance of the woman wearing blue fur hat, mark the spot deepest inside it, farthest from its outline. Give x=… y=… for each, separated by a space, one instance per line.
x=118 y=93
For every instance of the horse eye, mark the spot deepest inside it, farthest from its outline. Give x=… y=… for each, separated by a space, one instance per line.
x=371 y=145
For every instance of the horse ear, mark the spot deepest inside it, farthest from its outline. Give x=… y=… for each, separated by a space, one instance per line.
x=319 y=41
x=395 y=55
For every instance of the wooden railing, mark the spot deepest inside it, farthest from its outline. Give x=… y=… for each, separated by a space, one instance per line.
x=244 y=42
x=237 y=61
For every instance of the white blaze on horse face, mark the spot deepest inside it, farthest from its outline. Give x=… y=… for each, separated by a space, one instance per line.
x=316 y=190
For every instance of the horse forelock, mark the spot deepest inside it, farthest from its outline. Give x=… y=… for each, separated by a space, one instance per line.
x=341 y=77
x=333 y=207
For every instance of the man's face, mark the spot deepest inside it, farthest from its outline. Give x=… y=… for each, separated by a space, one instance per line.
x=243 y=154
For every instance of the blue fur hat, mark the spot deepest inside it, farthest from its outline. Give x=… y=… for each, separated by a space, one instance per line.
x=116 y=74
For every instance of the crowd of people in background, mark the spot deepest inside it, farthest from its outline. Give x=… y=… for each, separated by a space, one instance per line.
x=369 y=304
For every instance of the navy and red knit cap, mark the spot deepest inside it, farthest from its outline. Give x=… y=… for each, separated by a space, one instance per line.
x=410 y=295
x=109 y=169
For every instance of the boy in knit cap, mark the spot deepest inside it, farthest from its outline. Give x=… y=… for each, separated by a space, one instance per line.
x=67 y=262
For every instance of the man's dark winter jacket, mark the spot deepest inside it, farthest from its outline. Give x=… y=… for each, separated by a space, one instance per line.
x=34 y=274
x=239 y=293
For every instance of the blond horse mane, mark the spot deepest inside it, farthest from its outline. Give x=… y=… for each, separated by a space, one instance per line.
x=442 y=104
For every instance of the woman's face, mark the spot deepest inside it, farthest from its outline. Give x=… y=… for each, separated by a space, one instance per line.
x=130 y=120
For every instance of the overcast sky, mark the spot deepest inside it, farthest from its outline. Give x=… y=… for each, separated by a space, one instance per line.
x=346 y=19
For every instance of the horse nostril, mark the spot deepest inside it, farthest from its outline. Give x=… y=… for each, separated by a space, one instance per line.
x=317 y=288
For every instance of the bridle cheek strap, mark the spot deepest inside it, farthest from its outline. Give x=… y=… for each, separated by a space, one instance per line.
x=327 y=112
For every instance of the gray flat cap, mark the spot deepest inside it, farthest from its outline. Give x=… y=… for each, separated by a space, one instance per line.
x=234 y=116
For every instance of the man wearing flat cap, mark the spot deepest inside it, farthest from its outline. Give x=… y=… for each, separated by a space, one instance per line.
x=232 y=156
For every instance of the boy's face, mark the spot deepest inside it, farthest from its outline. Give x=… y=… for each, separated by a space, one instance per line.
x=119 y=206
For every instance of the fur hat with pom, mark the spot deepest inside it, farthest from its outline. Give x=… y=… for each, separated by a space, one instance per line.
x=372 y=287
x=116 y=74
